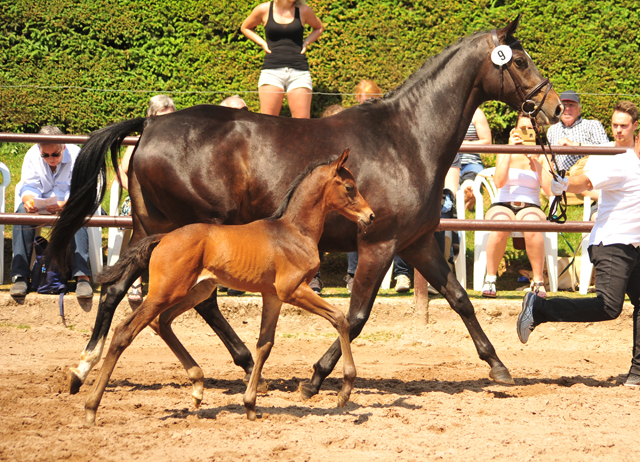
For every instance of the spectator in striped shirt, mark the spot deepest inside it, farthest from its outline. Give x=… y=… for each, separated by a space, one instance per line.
x=573 y=130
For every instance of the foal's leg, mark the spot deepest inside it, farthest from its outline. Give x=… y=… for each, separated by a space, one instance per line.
x=306 y=298
x=110 y=297
x=162 y=326
x=271 y=305
x=123 y=335
x=373 y=263
x=427 y=258
x=241 y=355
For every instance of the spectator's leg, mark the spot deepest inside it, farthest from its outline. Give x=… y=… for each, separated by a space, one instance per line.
x=400 y=267
x=352 y=259
x=23 y=236
x=80 y=254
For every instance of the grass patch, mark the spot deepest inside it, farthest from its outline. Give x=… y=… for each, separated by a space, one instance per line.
x=15 y=326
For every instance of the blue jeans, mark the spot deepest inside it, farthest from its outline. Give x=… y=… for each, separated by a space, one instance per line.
x=470 y=171
x=23 y=237
x=400 y=267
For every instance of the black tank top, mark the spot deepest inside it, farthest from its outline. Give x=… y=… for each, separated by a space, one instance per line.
x=285 y=43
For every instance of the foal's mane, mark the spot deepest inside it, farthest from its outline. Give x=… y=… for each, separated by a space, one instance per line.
x=294 y=185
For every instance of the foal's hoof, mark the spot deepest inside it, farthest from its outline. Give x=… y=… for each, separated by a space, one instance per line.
x=74 y=382
x=251 y=415
x=342 y=401
x=197 y=402
x=89 y=419
x=307 y=390
x=263 y=386
x=501 y=375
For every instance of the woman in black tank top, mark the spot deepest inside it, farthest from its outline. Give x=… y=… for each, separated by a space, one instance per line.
x=285 y=65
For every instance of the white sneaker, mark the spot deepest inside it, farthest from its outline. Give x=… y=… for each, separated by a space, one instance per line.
x=403 y=283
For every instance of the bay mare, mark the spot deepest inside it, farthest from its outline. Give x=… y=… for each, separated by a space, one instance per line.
x=277 y=257
x=210 y=164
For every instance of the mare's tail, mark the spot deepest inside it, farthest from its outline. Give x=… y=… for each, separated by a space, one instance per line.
x=137 y=255
x=88 y=184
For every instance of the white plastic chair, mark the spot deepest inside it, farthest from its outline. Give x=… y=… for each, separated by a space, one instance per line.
x=485 y=178
x=6 y=179
x=118 y=238
x=586 y=267
x=95 y=240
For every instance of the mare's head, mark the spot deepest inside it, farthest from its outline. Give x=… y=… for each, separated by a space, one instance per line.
x=513 y=78
x=342 y=194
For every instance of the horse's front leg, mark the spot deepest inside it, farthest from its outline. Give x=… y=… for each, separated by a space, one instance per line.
x=426 y=257
x=373 y=263
x=241 y=355
x=110 y=297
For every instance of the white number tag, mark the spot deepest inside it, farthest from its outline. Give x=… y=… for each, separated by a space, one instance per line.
x=501 y=55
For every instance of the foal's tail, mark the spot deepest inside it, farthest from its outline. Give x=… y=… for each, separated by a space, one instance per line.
x=137 y=255
x=88 y=184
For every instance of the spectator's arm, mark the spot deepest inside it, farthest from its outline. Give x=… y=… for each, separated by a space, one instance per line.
x=482 y=128
x=123 y=168
x=255 y=18
x=598 y=134
x=31 y=183
x=310 y=18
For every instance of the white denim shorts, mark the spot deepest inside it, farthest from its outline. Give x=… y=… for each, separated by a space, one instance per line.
x=286 y=78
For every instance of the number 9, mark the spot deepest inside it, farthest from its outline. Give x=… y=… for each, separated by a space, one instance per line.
x=501 y=55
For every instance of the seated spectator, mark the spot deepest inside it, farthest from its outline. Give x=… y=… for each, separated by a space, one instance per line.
x=158 y=105
x=518 y=199
x=366 y=90
x=46 y=173
x=471 y=163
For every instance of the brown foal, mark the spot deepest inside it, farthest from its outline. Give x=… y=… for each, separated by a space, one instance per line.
x=277 y=257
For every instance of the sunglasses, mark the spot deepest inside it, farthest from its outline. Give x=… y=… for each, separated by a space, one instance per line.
x=44 y=155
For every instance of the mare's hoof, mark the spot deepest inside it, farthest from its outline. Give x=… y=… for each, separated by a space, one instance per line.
x=263 y=386
x=74 y=382
x=342 y=401
x=501 y=375
x=307 y=390
x=251 y=415
x=197 y=402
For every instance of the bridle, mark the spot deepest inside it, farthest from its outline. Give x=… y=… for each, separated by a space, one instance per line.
x=558 y=206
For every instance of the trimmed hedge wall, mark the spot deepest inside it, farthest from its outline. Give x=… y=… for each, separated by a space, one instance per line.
x=175 y=46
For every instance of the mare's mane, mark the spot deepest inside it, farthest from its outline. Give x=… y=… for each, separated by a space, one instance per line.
x=294 y=185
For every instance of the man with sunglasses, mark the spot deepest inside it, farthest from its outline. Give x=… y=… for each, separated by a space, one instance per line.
x=46 y=173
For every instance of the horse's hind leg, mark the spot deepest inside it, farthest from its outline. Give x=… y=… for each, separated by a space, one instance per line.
x=110 y=297
x=306 y=298
x=241 y=355
x=271 y=305
x=427 y=258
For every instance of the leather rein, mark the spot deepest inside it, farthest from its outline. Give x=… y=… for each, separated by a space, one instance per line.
x=558 y=206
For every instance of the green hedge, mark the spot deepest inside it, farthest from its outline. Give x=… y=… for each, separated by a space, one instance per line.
x=177 y=46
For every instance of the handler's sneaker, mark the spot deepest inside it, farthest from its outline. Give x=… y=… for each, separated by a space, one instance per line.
x=525 y=319
x=633 y=380
x=317 y=285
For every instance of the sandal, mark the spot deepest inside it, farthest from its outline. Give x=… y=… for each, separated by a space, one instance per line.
x=489 y=287
x=538 y=289
x=135 y=294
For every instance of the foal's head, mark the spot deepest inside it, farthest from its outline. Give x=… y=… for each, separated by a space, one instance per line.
x=343 y=196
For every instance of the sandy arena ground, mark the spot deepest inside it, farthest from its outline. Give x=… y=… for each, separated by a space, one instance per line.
x=421 y=393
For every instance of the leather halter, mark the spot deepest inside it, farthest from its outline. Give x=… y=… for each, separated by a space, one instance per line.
x=557 y=209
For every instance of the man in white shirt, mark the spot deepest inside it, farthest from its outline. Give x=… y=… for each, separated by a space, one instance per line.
x=46 y=174
x=613 y=249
